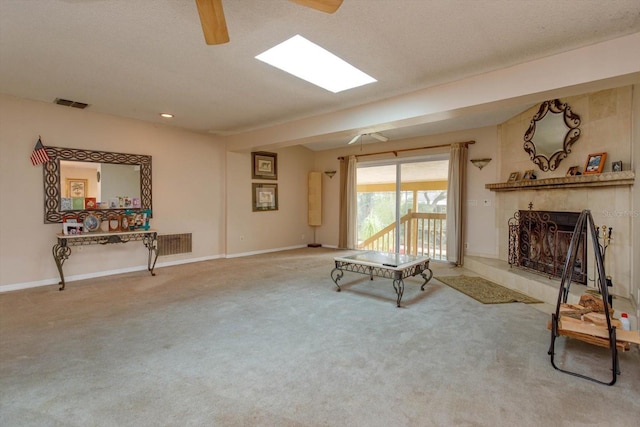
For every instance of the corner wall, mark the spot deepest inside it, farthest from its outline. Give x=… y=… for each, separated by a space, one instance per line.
x=250 y=232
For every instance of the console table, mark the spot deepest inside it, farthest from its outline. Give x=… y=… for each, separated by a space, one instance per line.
x=62 y=249
x=384 y=264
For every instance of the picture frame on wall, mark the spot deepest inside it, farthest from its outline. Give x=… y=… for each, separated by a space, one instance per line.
x=529 y=174
x=264 y=165
x=77 y=187
x=595 y=163
x=264 y=197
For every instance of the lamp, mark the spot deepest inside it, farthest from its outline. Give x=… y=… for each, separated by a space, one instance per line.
x=330 y=173
x=480 y=163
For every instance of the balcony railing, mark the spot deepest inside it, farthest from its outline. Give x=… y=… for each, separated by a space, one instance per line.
x=420 y=234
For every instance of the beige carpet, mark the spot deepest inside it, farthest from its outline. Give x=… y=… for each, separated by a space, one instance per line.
x=485 y=291
x=266 y=340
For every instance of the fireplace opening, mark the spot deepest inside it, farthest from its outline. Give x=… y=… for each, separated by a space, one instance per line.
x=539 y=242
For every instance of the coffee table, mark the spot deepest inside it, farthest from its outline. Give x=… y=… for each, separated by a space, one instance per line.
x=384 y=264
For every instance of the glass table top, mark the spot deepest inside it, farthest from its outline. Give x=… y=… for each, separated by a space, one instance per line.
x=387 y=259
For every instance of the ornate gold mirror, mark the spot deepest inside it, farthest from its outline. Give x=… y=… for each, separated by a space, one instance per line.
x=73 y=173
x=552 y=132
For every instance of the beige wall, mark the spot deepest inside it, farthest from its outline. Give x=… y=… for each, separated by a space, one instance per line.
x=250 y=232
x=480 y=238
x=606 y=127
x=198 y=188
x=188 y=189
x=635 y=213
x=201 y=188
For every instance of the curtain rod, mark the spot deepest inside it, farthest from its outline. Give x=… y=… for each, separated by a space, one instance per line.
x=395 y=152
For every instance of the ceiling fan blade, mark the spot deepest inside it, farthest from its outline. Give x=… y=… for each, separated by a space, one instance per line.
x=326 y=6
x=213 y=23
x=379 y=137
x=354 y=139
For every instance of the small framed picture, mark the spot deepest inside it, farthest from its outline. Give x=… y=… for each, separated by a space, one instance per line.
x=265 y=197
x=573 y=171
x=616 y=166
x=514 y=176
x=529 y=174
x=70 y=228
x=265 y=165
x=595 y=163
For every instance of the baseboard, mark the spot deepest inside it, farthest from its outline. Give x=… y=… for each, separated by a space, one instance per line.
x=75 y=278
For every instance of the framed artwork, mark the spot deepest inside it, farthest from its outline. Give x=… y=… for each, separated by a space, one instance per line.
x=514 y=176
x=529 y=174
x=265 y=165
x=573 y=171
x=595 y=163
x=616 y=166
x=265 y=197
x=77 y=187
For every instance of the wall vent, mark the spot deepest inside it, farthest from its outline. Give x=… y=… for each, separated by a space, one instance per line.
x=68 y=103
x=172 y=244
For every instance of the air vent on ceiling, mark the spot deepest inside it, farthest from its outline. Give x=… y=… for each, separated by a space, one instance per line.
x=74 y=104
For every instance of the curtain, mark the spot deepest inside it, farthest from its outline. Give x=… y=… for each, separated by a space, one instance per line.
x=342 y=220
x=456 y=203
x=352 y=204
x=347 y=231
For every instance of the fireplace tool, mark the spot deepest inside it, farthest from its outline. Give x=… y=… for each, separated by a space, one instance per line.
x=606 y=241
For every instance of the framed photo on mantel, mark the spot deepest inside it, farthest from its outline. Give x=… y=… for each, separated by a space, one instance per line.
x=265 y=165
x=595 y=163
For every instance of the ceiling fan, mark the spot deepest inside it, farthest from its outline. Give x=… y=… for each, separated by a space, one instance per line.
x=214 y=25
x=375 y=135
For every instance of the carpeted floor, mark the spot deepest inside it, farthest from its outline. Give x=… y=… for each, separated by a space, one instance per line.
x=485 y=291
x=267 y=341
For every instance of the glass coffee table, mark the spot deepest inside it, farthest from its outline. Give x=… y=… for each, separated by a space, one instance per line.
x=384 y=264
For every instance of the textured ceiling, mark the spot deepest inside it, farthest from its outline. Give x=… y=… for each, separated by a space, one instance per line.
x=138 y=58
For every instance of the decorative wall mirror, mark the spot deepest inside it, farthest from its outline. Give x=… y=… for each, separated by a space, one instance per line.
x=97 y=176
x=552 y=132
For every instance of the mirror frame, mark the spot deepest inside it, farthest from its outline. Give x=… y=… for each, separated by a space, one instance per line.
x=571 y=120
x=51 y=179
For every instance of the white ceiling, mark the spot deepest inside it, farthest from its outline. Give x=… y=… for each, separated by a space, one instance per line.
x=139 y=58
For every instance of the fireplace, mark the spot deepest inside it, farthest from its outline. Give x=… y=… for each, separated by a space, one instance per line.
x=539 y=242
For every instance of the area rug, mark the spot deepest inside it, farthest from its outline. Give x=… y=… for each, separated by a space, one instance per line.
x=485 y=291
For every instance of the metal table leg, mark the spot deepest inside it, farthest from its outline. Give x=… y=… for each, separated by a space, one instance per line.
x=60 y=253
x=150 y=242
x=398 y=285
x=336 y=274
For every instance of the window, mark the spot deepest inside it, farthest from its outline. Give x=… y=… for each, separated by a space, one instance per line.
x=402 y=206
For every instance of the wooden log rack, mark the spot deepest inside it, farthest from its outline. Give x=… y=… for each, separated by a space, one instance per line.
x=580 y=322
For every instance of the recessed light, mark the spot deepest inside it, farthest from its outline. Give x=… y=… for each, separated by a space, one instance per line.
x=310 y=62
x=166 y=115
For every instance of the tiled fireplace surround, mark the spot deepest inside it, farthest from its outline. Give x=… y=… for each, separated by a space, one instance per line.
x=605 y=127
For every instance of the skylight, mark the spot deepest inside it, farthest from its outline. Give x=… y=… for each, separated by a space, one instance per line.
x=310 y=62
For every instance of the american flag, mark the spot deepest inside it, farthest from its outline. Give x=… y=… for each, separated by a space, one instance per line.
x=39 y=154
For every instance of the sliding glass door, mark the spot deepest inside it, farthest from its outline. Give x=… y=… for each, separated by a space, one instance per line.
x=402 y=206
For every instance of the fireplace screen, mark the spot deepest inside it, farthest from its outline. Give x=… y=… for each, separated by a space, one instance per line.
x=539 y=241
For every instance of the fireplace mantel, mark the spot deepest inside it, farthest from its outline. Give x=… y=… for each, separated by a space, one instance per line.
x=607 y=179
